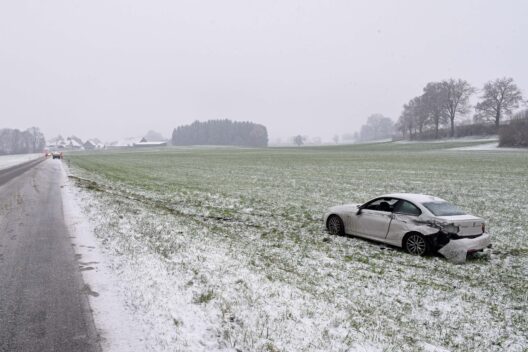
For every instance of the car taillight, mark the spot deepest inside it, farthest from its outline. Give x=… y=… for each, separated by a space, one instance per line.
x=483 y=227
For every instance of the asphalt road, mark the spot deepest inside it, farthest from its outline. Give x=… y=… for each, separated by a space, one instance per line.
x=8 y=174
x=43 y=303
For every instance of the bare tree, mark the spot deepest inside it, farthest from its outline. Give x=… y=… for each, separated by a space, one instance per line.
x=298 y=140
x=377 y=127
x=415 y=116
x=499 y=98
x=456 y=94
x=407 y=121
x=420 y=112
x=433 y=102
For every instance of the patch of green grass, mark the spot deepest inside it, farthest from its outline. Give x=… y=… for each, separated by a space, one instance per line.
x=204 y=297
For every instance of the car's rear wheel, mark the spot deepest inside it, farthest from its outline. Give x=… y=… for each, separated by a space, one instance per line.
x=335 y=225
x=416 y=244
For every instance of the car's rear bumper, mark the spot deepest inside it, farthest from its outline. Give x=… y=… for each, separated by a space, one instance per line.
x=475 y=244
x=457 y=249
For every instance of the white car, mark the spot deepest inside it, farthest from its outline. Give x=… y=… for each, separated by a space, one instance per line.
x=420 y=224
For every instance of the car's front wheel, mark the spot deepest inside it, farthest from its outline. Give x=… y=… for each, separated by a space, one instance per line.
x=335 y=225
x=415 y=243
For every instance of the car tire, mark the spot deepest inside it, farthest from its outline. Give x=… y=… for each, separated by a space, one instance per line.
x=416 y=244
x=335 y=226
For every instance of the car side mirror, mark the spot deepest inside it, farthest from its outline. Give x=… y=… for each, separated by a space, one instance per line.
x=359 y=211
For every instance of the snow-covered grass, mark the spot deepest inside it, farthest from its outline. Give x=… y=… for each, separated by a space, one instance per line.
x=7 y=161
x=225 y=249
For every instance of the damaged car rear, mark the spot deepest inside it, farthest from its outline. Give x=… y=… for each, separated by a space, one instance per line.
x=420 y=224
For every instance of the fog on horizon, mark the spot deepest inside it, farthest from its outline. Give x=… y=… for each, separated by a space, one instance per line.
x=115 y=69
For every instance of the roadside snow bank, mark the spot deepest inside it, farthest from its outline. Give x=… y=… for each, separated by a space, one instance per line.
x=450 y=140
x=491 y=146
x=7 y=161
x=113 y=322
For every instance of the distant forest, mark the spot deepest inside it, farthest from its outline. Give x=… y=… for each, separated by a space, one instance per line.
x=21 y=142
x=221 y=132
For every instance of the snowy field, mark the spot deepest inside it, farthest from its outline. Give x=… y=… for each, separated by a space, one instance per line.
x=7 y=161
x=225 y=250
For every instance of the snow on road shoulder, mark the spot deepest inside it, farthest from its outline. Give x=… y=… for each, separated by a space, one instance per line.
x=7 y=161
x=192 y=288
x=112 y=320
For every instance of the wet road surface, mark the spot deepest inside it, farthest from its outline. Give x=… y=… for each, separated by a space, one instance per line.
x=43 y=303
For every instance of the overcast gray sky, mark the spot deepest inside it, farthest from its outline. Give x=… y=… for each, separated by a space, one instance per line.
x=112 y=69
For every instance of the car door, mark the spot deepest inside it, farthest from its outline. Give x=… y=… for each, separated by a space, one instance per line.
x=404 y=219
x=374 y=218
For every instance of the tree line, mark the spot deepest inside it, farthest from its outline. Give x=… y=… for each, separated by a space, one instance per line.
x=441 y=103
x=13 y=141
x=221 y=132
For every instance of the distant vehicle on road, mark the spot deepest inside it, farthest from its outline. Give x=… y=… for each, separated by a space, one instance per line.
x=420 y=224
x=57 y=155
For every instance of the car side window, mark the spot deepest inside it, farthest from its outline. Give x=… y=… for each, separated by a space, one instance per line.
x=407 y=208
x=382 y=204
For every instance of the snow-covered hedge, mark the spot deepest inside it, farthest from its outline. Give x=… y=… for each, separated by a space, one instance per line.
x=515 y=134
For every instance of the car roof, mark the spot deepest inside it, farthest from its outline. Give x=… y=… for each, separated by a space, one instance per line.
x=414 y=197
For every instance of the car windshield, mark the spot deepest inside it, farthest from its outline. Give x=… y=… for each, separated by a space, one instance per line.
x=443 y=209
